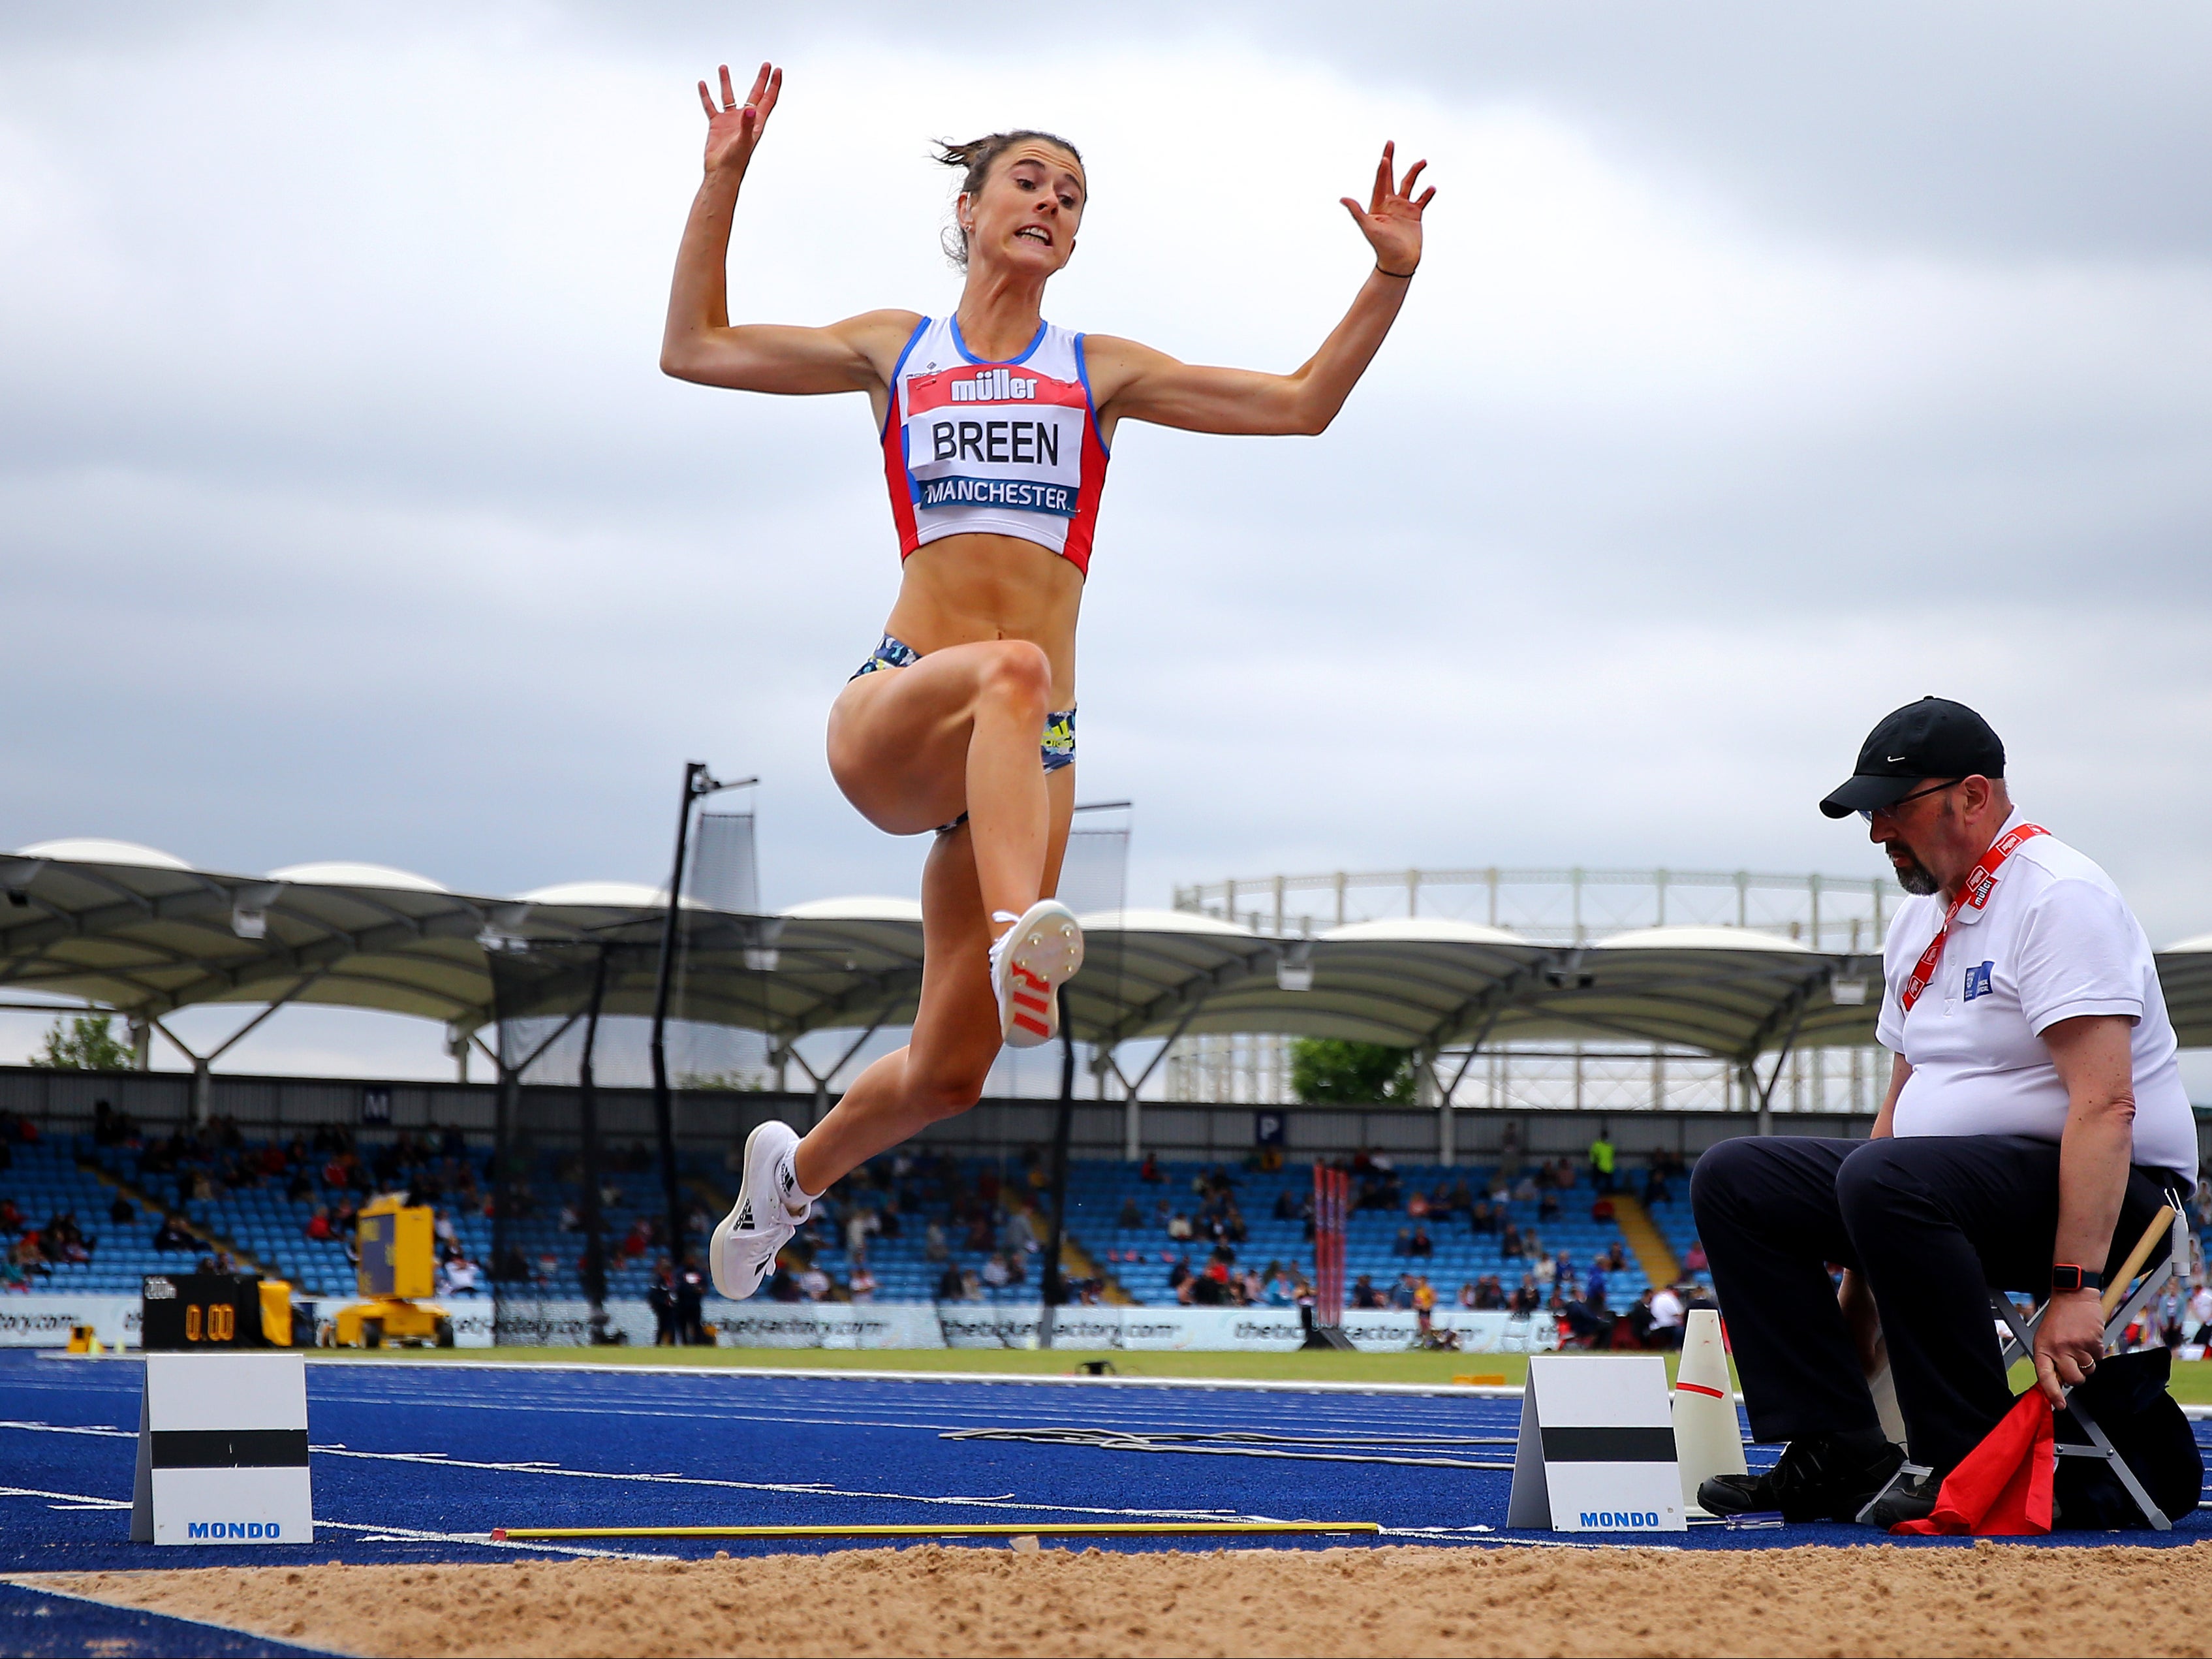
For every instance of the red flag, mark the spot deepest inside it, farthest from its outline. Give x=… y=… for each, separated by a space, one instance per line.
x=2002 y=1488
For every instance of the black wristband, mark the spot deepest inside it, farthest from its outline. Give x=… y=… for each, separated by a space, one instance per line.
x=1402 y=276
x=2065 y=1276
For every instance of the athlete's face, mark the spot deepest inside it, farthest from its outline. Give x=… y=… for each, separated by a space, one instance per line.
x=1028 y=211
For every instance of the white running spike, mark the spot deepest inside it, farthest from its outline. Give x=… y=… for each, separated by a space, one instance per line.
x=1029 y=964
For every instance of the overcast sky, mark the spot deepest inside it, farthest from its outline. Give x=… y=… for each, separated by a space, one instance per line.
x=1770 y=366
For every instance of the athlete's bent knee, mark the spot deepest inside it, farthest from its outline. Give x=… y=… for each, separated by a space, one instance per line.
x=1019 y=673
x=948 y=1095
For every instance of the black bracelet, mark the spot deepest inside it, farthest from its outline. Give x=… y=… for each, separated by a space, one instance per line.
x=1402 y=276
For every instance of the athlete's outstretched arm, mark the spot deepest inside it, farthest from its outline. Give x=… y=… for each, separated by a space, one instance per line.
x=1136 y=383
x=699 y=343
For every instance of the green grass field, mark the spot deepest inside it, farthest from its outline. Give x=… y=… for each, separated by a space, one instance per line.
x=2192 y=1383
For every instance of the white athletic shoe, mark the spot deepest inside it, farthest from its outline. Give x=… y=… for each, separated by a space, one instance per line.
x=1029 y=964
x=769 y=1210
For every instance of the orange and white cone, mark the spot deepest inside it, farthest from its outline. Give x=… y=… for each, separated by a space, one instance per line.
x=1707 y=1441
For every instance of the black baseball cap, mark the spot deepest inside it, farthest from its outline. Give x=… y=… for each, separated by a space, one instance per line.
x=1932 y=738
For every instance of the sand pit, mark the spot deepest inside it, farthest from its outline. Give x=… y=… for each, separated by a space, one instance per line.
x=1877 y=1599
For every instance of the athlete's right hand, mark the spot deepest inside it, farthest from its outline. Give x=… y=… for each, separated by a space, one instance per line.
x=734 y=130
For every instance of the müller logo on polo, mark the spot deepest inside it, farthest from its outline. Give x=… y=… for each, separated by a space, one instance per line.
x=263 y=1530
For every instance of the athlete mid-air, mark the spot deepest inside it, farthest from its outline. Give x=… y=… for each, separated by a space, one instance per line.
x=996 y=427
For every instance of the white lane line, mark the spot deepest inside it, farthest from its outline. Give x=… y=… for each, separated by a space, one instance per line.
x=379 y=1531
x=797 y=1489
x=929 y=1425
x=1449 y=1390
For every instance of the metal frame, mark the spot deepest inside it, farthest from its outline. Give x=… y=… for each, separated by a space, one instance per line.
x=2019 y=1343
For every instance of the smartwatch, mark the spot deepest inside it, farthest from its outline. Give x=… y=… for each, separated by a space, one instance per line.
x=2067 y=1276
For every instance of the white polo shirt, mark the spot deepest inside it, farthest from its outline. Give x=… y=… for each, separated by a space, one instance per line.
x=2055 y=941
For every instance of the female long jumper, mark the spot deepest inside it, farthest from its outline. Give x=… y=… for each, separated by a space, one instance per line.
x=996 y=427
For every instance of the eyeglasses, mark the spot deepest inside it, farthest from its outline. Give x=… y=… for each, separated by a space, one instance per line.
x=1867 y=813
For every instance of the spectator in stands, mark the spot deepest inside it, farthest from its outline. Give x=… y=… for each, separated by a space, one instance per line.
x=933 y=1247
x=1364 y=1293
x=457 y=1277
x=1666 y=1318
x=11 y=1218
x=782 y=1286
x=1403 y=1244
x=1601 y=1209
x=122 y=1212
x=858 y=1225
x=860 y=1284
x=971 y=1287
x=1401 y=1293
x=690 y=1303
x=1526 y=1299
x=1132 y=1218
x=1420 y=1244
x=662 y=1299
x=1547 y=1205
x=1616 y=1259
x=1603 y=1160
x=1466 y=1294
x=1594 y=1287
x=1545 y=1272
x=171 y=1235
x=1417 y=1205
x=1587 y=1326
x=1179 y=1274
x=1149 y=1170
x=1180 y=1228
x=1482 y=1218
x=1695 y=1261
x=1524 y=1189
x=994 y=1270
x=1509 y=1243
x=948 y=1285
x=13 y=1275
x=1462 y=1198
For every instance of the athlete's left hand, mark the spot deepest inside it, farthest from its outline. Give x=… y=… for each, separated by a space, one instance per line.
x=1391 y=220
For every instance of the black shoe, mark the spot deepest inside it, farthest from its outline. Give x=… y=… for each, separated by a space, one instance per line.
x=1912 y=1498
x=1818 y=1478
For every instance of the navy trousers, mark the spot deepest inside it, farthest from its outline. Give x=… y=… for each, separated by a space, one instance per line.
x=1934 y=1222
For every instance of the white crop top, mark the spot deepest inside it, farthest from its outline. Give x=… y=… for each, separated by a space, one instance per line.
x=1003 y=448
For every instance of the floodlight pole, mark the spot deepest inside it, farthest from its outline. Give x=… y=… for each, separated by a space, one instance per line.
x=698 y=783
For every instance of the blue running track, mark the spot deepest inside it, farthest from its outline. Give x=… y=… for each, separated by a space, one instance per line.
x=420 y=1463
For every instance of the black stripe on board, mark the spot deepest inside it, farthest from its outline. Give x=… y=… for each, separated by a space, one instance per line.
x=1609 y=1445
x=230 y=1449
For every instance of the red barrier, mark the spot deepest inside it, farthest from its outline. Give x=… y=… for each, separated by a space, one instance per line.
x=1332 y=1200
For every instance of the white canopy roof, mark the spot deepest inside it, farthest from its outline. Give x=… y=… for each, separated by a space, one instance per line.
x=134 y=930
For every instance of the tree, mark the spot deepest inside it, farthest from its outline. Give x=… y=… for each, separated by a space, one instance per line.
x=86 y=1043
x=1327 y=1072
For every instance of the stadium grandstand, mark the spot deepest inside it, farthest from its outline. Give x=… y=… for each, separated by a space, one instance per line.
x=1661 y=1010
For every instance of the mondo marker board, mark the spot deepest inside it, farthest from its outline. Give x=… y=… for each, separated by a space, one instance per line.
x=223 y=1450
x=1596 y=1452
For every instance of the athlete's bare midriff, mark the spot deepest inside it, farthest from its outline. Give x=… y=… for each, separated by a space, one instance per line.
x=966 y=589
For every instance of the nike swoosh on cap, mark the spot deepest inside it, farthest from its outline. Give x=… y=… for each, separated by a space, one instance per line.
x=1895 y=758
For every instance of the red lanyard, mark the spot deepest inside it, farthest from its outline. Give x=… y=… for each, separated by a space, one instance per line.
x=1980 y=882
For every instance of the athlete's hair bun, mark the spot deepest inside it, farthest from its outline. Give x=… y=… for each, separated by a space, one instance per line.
x=974 y=158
